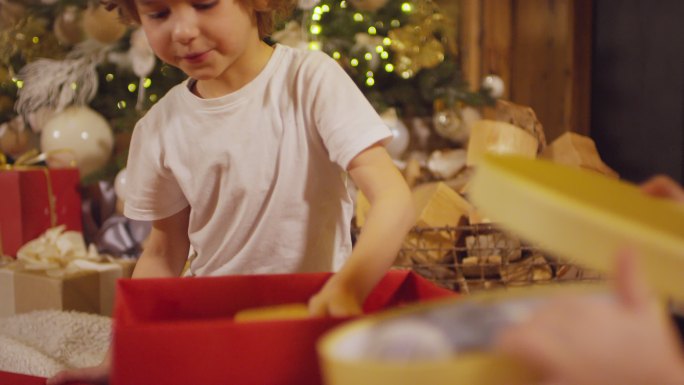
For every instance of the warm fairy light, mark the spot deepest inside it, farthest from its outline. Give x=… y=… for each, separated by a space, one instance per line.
x=35 y=40
x=20 y=84
x=384 y=55
x=153 y=98
x=358 y=17
x=325 y=8
x=372 y=30
x=121 y=104
x=147 y=83
x=314 y=46
x=370 y=82
x=354 y=62
x=395 y=23
x=368 y=56
x=336 y=55
x=370 y=74
x=109 y=77
x=74 y=86
x=343 y=4
x=389 y=67
x=315 y=29
x=318 y=10
x=406 y=74
x=316 y=17
x=407 y=7
x=387 y=41
x=379 y=49
x=132 y=87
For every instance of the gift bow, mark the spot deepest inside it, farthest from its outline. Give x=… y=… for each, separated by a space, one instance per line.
x=58 y=252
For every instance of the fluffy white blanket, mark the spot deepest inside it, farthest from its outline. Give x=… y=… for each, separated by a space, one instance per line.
x=42 y=343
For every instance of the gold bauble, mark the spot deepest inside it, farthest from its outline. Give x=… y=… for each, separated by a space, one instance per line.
x=368 y=5
x=68 y=27
x=102 y=25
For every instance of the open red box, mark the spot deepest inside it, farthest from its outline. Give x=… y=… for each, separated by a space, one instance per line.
x=181 y=331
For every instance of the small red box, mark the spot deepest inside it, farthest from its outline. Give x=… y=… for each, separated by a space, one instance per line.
x=180 y=330
x=25 y=204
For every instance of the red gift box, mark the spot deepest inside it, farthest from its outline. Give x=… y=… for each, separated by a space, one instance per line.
x=8 y=378
x=33 y=200
x=181 y=331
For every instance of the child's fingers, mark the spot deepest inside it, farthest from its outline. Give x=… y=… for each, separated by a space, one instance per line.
x=663 y=187
x=631 y=287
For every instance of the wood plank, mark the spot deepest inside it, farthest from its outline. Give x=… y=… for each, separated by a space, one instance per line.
x=470 y=26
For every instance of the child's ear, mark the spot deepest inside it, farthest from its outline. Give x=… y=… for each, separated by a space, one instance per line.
x=261 y=5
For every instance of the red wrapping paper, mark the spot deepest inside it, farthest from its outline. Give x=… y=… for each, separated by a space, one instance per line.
x=180 y=331
x=25 y=210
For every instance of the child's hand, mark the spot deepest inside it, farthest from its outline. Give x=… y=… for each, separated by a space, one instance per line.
x=335 y=299
x=582 y=341
x=96 y=375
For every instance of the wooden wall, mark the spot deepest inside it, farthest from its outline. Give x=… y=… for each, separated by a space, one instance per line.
x=540 y=48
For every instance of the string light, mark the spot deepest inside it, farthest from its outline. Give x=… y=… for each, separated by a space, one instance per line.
x=370 y=82
x=395 y=23
x=343 y=4
x=109 y=77
x=121 y=104
x=379 y=49
x=147 y=83
x=74 y=86
x=316 y=17
x=354 y=62
x=315 y=29
x=132 y=87
x=384 y=55
x=314 y=46
x=153 y=98
x=387 y=41
x=372 y=30
x=318 y=10
x=325 y=8
x=20 y=84
x=407 y=7
x=35 y=40
x=358 y=17
x=370 y=74
x=389 y=67
x=336 y=55
x=406 y=74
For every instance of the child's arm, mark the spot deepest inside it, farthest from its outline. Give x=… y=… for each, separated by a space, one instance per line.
x=164 y=254
x=389 y=219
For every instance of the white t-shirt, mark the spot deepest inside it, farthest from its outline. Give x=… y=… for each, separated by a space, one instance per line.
x=263 y=168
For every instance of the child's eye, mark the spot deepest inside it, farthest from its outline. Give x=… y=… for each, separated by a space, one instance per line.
x=157 y=15
x=202 y=6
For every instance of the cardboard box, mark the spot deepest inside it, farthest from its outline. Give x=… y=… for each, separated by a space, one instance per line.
x=89 y=290
x=25 y=208
x=181 y=330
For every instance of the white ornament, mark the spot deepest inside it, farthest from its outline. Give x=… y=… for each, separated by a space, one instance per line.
x=120 y=185
x=81 y=131
x=307 y=4
x=448 y=124
x=400 y=134
x=445 y=164
x=495 y=85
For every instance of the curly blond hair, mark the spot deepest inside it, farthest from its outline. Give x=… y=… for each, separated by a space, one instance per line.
x=266 y=15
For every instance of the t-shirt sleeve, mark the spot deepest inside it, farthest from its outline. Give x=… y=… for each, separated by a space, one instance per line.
x=345 y=120
x=152 y=191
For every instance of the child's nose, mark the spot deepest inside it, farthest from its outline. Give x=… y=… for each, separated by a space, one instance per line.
x=185 y=27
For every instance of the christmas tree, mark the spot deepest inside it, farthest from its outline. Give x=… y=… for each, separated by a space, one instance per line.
x=60 y=53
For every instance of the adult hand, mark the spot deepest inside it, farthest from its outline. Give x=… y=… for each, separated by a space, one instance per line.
x=585 y=341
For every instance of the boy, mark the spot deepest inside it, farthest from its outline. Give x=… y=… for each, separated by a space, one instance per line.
x=246 y=160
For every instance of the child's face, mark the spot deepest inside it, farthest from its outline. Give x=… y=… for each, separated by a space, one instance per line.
x=204 y=38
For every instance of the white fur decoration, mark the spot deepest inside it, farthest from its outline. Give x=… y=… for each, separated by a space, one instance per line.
x=57 y=84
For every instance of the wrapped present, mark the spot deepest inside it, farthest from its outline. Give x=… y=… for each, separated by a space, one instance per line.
x=57 y=271
x=34 y=199
x=188 y=324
